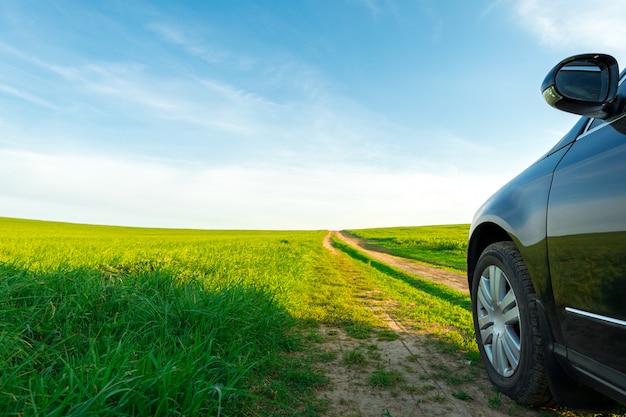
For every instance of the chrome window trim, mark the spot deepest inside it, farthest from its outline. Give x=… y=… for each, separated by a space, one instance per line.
x=601 y=125
x=587 y=314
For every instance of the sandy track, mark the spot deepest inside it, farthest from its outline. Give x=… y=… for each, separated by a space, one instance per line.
x=433 y=383
x=451 y=279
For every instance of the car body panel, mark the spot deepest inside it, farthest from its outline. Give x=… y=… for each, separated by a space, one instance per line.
x=519 y=209
x=586 y=232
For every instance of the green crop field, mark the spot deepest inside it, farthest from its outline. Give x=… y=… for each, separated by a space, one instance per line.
x=444 y=245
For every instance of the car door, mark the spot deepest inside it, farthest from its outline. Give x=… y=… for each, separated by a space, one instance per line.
x=586 y=229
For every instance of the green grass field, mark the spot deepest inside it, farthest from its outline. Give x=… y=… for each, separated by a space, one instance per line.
x=444 y=245
x=122 y=321
x=99 y=320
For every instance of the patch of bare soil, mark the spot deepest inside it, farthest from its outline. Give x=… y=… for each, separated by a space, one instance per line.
x=399 y=373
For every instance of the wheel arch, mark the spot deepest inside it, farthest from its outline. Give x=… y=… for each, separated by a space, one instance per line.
x=483 y=235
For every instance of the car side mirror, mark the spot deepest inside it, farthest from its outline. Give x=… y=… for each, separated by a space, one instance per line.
x=583 y=84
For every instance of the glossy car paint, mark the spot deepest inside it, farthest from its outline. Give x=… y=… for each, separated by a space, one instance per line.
x=586 y=231
x=518 y=212
x=567 y=216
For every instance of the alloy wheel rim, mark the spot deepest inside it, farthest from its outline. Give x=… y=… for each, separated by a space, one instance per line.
x=499 y=321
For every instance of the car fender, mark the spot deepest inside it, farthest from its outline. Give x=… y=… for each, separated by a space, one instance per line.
x=518 y=211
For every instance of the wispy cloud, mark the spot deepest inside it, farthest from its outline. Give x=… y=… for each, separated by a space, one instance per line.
x=279 y=71
x=31 y=98
x=371 y=5
x=108 y=78
x=310 y=125
x=490 y=8
x=113 y=87
x=217 y=119
x=576 y=24
x=201 y=49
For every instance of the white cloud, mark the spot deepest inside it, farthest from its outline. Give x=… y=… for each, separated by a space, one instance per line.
x=31 y=98
x=577 y=24
x=100 y=190
x=201 y=50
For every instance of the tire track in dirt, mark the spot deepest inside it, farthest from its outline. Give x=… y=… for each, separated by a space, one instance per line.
x=429 y=379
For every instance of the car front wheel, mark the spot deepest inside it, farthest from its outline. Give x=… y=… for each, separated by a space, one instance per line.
x=507 y=325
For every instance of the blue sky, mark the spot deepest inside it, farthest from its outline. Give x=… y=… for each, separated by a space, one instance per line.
x=280 y=114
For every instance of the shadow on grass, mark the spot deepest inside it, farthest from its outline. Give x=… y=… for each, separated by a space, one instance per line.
x=79 y=340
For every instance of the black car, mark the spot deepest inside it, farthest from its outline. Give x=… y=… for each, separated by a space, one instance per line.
x=546 y=260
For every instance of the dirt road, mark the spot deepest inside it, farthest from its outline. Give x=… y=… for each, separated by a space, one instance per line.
x=451 y=279
x=429 y=382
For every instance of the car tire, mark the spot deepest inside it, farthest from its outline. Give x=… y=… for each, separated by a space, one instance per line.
x=506 y=324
